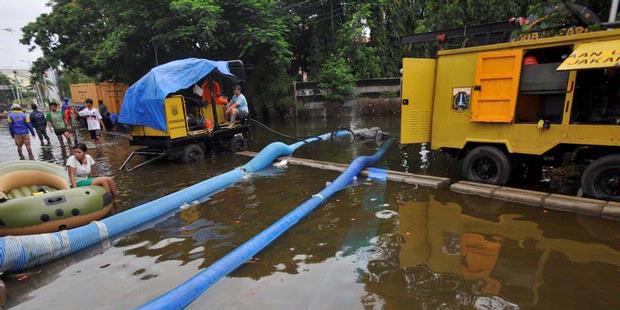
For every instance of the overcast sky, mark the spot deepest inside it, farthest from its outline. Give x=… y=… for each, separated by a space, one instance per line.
x=14 y=14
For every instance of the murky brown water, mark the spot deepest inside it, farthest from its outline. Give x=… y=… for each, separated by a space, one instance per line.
x=439 y=250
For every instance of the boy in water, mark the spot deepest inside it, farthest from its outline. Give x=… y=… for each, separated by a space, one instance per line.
x=93 y=120
x=56 y=121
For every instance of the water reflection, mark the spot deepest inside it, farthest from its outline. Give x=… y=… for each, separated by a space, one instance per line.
x=480 y=257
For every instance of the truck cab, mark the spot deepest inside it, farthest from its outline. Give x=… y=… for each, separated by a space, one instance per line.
x=504 y=108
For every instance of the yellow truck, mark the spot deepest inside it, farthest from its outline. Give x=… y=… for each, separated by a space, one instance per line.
x=504 y=109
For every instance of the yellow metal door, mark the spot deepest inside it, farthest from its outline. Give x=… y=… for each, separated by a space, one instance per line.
x=417 y=90
x=496 y=86
x=175 y=117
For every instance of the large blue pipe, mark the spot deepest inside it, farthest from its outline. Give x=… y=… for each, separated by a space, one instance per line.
x=20 y=252
x=184 y=294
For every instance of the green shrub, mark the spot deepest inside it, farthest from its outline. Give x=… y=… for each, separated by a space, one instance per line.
x=336 y=77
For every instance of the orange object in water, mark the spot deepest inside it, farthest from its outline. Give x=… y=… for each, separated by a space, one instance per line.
x=217 y=93
x=530 y=60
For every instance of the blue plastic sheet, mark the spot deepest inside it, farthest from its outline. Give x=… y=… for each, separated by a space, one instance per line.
x=143 y=103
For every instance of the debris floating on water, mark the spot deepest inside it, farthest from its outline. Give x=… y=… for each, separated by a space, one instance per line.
x=386 y=214
x=281 y=164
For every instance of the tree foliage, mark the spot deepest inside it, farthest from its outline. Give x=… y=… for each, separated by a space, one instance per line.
x=5 y=95
x=336 y=76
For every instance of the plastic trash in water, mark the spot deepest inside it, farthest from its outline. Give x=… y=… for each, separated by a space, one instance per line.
x=386 y=214
x=377 y=174
x=281 y=164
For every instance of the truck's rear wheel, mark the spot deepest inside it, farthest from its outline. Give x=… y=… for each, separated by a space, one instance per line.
x=602 y=178
x=191 y=153
x=487 y=164
x=238 y=144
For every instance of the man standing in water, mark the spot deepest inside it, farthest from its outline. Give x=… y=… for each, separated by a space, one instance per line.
x=37 y=118
x=237 y=108
x=19 y=126
x=56 y=121
x=93 y=120
x=103 y=109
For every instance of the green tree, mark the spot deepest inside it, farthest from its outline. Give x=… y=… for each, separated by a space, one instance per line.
x=337 y=78
x=5 y=95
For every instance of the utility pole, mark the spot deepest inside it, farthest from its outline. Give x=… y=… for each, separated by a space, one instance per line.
x=13 y=92
x=613 y=11
x=17 y=89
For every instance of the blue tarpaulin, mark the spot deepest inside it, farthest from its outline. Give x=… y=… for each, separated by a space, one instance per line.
x=143 y=103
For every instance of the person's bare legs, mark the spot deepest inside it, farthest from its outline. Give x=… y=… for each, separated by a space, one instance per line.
x=20 y=151
x=29 y=149
x=233 y=117
x=60 y=139
x=107 y=183
x=67 y=136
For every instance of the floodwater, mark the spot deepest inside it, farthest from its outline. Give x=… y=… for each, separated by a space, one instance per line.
x=374 y=245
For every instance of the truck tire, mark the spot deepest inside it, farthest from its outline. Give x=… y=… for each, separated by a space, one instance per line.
x=238 y=144
x=601 y=179
x=191 y=153
x=487 y=164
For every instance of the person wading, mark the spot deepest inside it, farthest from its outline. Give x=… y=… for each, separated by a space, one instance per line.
x=56 y=121
x=19 y=126
x=39 y=122
x=93 y=120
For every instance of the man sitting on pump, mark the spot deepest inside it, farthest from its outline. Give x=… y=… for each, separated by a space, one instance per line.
x=237 y=108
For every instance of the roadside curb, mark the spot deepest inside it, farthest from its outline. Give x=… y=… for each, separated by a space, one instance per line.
x=599 y=208
x=592 y=207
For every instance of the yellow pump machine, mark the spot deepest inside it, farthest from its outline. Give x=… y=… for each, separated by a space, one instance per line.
x=194 y=116
x=504 y=108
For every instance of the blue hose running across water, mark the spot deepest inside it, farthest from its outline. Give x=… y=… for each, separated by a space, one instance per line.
x=20 y=252
x=184 y=294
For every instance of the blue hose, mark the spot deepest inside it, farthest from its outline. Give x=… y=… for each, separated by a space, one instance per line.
x=184 y=294
x=20 y=252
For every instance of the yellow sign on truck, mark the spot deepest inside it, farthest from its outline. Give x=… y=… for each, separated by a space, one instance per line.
x=504 y=108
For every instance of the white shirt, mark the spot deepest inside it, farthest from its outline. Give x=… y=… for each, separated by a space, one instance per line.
x=81 y=170
x=92 y=118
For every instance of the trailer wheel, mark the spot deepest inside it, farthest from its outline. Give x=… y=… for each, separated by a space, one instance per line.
x=487 y=164
x=191 y=153
x=238 y=144
x=601 y=179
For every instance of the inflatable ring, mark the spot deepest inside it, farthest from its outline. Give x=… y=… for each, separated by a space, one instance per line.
x=35 y=198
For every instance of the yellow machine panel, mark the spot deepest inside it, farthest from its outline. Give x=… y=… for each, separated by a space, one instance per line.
x=175 y=117
x=175 y=121
x=418 y=87
x=208 y=113
x=497 y=82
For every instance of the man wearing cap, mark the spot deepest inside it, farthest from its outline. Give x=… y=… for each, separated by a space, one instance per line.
x=19 y=126
x=237 y=108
